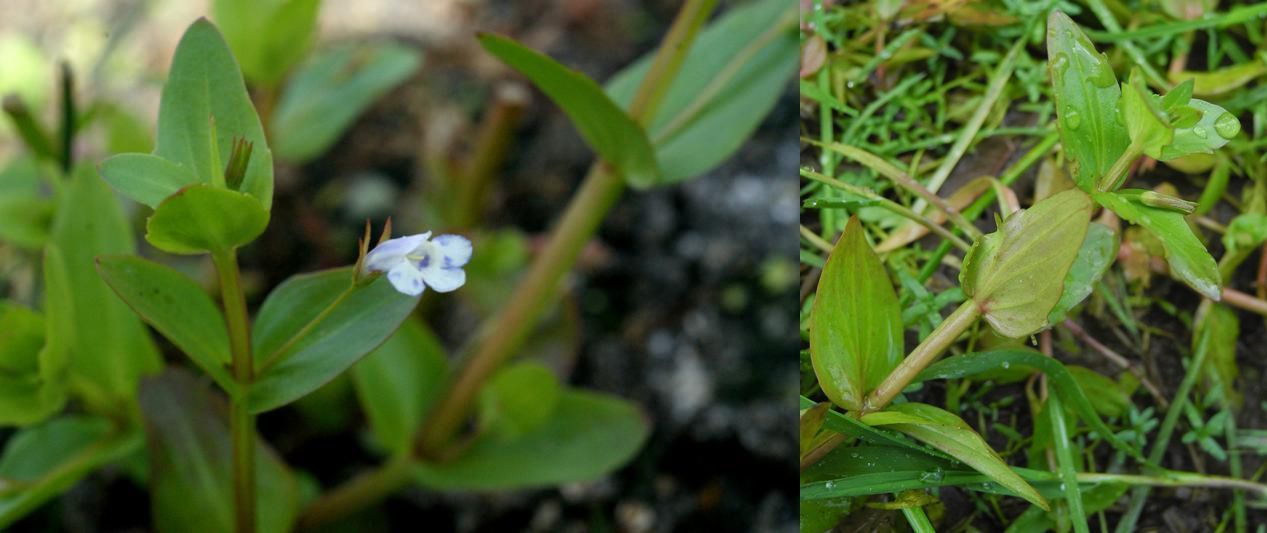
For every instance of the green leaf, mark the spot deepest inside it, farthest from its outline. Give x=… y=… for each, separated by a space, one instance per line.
x=586 y=436
x=330 y=90
x=268 y=36
x=398 y=383
x=517 y=399
x=1015 y=275
x=948 y=433
x=204 y=108
x=191 y=462
x=41 y=462
x=1189 y=261
x=1214 y=128
x=314 y=326
x=1110 y=400
x=851 y=427
x=1223 y=328
x=730 y=80
x=24 y=220
x=109 y=347
x=1095 y=256
x=962 y=366
x=847 y=461
x=1222 y=81
x=146 y=178
x=33 y=380
x=855 y=336
x=202 y=218
x=605 y=127
x=1086 y=95
x=1146 y=122
x=177 y=307
x=1245 y=232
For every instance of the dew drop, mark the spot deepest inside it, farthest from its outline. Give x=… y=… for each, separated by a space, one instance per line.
x=849 y=85
x=1060 y=63
x=830 y=485
x=1007 y=365
x=1227 y=126
x=1200 y=132
x=1073 y=119
x=932 y=476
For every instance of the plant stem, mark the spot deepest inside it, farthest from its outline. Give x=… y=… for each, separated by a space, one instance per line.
x=599 y=191
x=923 y=355
x=495 y=135
x=241 y=421
x=1116 y=175
x=358 y=493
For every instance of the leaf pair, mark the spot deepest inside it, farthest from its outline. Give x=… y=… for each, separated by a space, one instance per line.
x=311 y=328
x=204 y=115
x=1100 y=121
x=1016 y=274
x=856 y=326
x=1175 y=125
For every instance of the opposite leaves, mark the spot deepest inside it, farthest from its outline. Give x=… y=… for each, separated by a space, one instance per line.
x=1016 y=274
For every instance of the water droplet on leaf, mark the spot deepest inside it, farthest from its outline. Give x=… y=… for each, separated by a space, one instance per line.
x=1227 y=126
x=932 y=476
x=1073 y=119
x=1200 y=133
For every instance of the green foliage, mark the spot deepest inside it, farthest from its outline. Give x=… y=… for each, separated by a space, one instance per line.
x=1189 y=261
x=586 y=435
x=1095 y=256
x=330 y=90
x=1222 y=328
x=202 y=218
x=190 y=462
x=313 y=327
x=25 y=214
x=176 y=307
x=948 y=433
x=728 y=83
x=197 y=126
x=268 y=36
x=605 y=127
x=856 y=324
x=517 y=399
x=398 y=382
x=33 y=359
x=146 y=178
x=43 y=461
x=1009 y=273
x=1086 y=95
x=109 y=347
x=1146 y=122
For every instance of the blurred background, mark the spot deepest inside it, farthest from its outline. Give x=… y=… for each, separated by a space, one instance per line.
x=683 y=303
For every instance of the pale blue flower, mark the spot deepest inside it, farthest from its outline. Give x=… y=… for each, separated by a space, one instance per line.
x=414 y=262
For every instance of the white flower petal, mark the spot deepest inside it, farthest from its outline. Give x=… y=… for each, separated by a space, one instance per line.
x=406 y=278
x=456 y=250
x=444 y=279
x=385 y=256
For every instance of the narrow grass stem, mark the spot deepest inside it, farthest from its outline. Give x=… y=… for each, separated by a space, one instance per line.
x=241 y=421
x=923 y=355
x=890 y=205
x=1140 y=495
x=886 y=169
